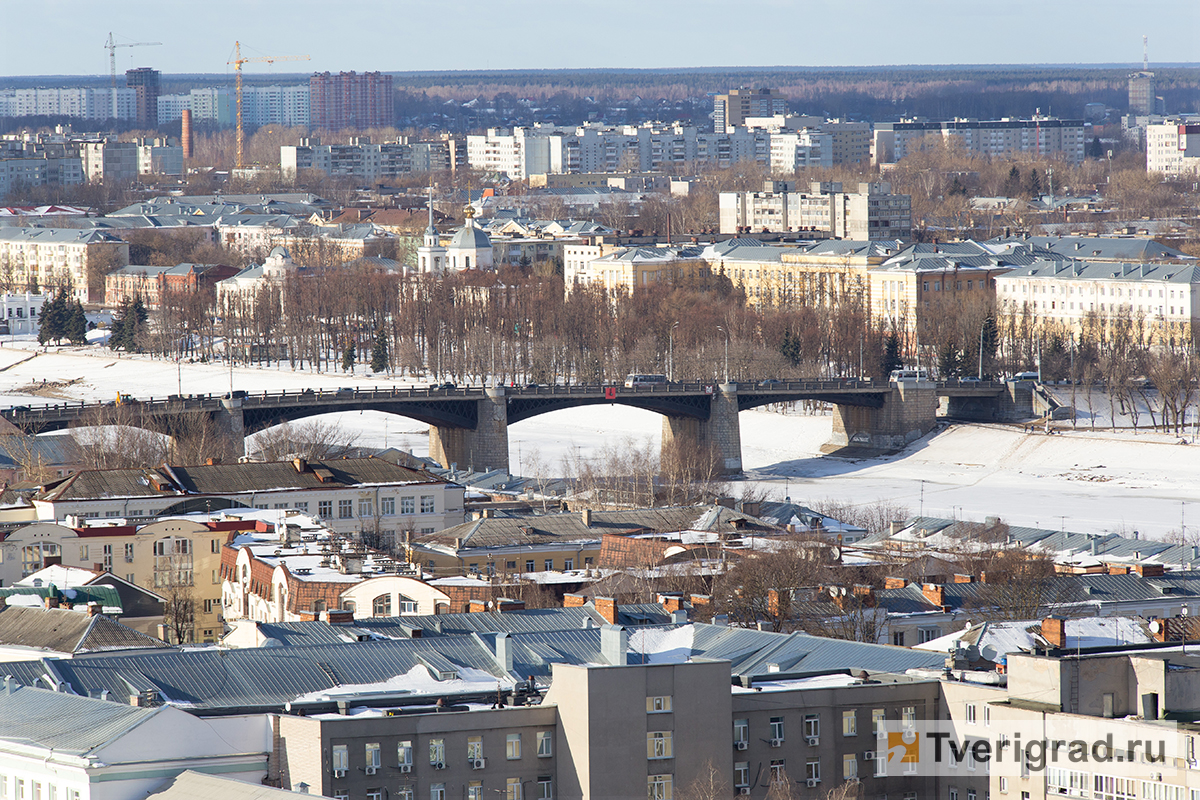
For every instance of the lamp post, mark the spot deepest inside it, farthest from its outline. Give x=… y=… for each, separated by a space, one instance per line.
x=722 y=330
x=982 y=326
x=671 y=353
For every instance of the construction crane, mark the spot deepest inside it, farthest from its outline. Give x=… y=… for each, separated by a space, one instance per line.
x=112 y=46
x=237 y=67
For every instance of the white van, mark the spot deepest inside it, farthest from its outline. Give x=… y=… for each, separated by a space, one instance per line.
x=1025 y=376
x=910 y=374
x=636 y=381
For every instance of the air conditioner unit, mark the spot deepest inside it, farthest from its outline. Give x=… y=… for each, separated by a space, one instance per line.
x=777 y=743
x=868 y=755
x=813 y=741
x=372 y=770
x=741 y=745
x=744 y=790
x=339 y=773
x=406 y=767
x=478 y=763
x=440 y=765
x=812 y=782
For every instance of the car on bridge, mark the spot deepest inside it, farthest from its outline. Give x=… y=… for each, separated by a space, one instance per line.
x=770 y=383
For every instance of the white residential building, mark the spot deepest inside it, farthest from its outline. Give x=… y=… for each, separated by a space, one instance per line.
x=97 y=104
x=1173 y=147
x=872 y=213
x=261 y=105
x=19 y=312
x=43 y=256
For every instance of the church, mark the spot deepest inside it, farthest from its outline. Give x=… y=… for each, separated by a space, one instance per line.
x=470 y=248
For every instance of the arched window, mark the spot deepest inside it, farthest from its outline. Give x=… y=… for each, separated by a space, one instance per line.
x=381 y=606
x=318 y=606
x=349 y=605
x=466 y=262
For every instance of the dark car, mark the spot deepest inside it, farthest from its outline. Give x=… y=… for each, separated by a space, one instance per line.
x=770 y=383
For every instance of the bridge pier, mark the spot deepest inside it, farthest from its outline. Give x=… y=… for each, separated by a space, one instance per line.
x=685 y=440
x=483 y=447
x=222 y=435
x=909 y=412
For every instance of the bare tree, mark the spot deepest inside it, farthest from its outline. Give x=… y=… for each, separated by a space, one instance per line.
x=315 y=440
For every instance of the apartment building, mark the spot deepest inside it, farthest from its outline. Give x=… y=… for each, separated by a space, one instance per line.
x=361 y=159
x=33 y=164
x=1142 y=93
x=1173 y=147
x=96 y=104
x=731 y=109
x=1076 y=294
x=145 y=82
x=841 y=141
x=166 y=556
x=110 y=162
x=159 y=157
x=872 y=213
x=1047 y=137
x=351 y=100
x=44 y=256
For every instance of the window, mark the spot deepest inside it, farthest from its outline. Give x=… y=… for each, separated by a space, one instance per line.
x=364 y=507
x=301 y=507
x=812 y=726
x=129 y=550
x=407 y=505
x=404 y=754
x=474 y=747
x=568 y=564
x=972 y=794
x=510 y=565
x=741 y=730
x=908 y=716
x=812 y=769
x=407 y=605
x=341 y=757
x=375 y=794
x=381 y=606
x=927 y=634
x=437 y=751
x=475 y=790
x=658 y=745
x=426 y=504
x=387 y=506
x=741 y=774
x=530 y=565
x=849 y=767
x=849 y=723
x=1106 y=787
x=777 y=728
x=878 y=717
x=778 y=772
x=658 y=787
x=1004 y=785
x=345 y=509
x=545 y=788
x=953 y=794
x=970 y=713
x=987 y=715
x=898 y=638
x=208 y=605
x=512 y=747
x=549 y=564
x=1068 y=781
x=437 y=791
x=545 y=744
x=512 y=789
x=325 y=508
x=658 y=705
x=341 y=794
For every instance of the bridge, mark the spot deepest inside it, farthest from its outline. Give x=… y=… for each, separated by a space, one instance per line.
x=469 y=425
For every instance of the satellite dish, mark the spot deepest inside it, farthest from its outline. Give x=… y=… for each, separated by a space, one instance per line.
x=1155 y=626
x=989 y=653
x=835 y=553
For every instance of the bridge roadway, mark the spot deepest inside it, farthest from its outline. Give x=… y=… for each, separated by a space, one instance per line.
x=468 y=425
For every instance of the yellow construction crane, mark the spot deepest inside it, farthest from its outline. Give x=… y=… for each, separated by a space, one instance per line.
x=112 y=46
x=237 y=67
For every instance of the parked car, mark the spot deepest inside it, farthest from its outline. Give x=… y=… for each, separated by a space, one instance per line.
x=770 y=383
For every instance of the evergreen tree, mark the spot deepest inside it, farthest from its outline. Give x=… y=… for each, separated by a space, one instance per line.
x=129 y=326
x=118 y=339
x=349 y=355
x=1095 y=149
x=949 y=361
x=891 y=353
x=990 y=338
x=1012 y=184
x=379 y=352
x=790 y=349
x=51 y=320
x=76 y=325
x=1035 y=184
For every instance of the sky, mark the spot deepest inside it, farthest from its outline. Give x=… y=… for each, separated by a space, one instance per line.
x=66 y=37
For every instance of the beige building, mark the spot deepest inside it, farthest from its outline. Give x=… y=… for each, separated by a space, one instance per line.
x=178 y=559
x=871 y=213
x=45 y=256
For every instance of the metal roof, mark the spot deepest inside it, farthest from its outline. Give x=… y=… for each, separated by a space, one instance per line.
x=65 y=723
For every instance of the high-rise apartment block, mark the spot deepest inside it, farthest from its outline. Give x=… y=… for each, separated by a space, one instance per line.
x=350 y=100
x=98 y=104
x=1141 y=93
x=1173 y=147
x=872 y=213
x=361 y=159
x=1039 y=136
x=730 y=110
x=145 y=81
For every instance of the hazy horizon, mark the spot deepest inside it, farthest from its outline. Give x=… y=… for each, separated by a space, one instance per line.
x=66 y=37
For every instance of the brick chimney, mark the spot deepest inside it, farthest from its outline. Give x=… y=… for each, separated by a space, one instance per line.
x=477 y=606
x=93 y=609
x=1149 y=570
x=865 y=593
x=1054 y=631
x=574 y=600
x=585 y=517
x=773 y=602
x=607 y=608
x=505 y=604
x=1118 y=569
x=52 y=601
x=960 y=578
x=894 y=583
x=338 y=616
x=1163 y=632
x=934 y=593
x=671 y=602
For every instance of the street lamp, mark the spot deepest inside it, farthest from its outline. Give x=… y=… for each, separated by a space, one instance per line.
x=722 y=330
x=671 y=352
